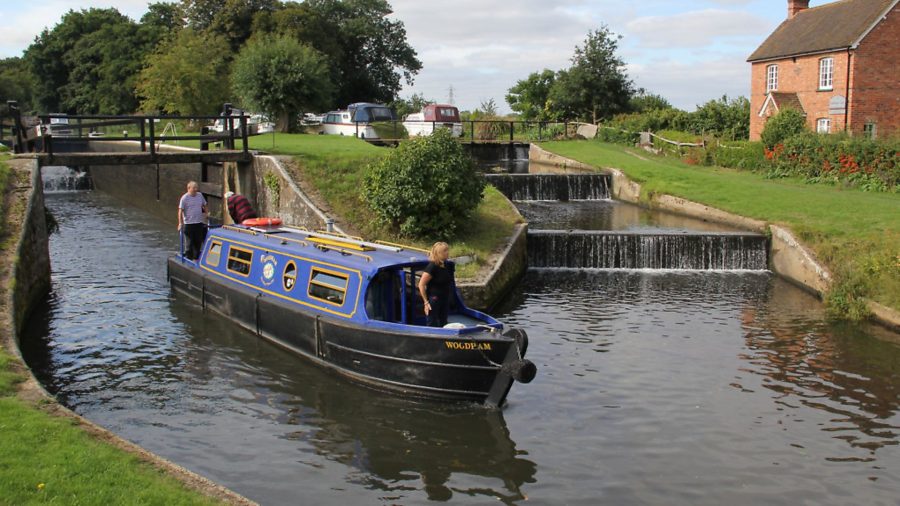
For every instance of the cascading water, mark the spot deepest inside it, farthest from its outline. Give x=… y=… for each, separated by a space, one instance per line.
x=524 y=187
x=591 y=249
x=59 y=179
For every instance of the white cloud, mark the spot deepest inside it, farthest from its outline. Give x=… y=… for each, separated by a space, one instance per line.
x=696 y=28
x=687 y=84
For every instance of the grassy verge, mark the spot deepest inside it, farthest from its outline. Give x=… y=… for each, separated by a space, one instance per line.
x=336 y=166
x=48 y=459
x=856 y=234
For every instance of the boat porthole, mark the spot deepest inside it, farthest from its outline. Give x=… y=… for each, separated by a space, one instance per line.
x=289 y=279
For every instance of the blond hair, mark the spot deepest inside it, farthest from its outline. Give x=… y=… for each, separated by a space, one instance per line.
x=435 y=254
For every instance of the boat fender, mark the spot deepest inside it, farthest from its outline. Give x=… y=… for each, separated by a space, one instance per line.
x=521 y=370
x=261 y=222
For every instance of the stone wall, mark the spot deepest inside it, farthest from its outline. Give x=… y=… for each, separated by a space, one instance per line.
x=278 y=195
x=510 y=266
x=31 y=265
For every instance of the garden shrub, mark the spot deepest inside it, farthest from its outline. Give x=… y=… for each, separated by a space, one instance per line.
x=838 y=158
x=428 y=187
x=786 y=123
x=743 y=155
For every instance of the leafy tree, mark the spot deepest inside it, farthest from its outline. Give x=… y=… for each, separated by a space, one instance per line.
x=162 y=19
x=596 y=85
x=367 y=52
x=16 y=83
x=724 y=118
x=648 y=102
x=787 y=123
x=529 y=96
x=281 y=77
x=411 y=105
x=232 y=19
x=187 y=75
x=88 y=62
x=428 y=187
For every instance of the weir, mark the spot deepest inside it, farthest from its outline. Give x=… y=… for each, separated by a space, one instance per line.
x=524 y=187
x=593 y=249
x=59 y=179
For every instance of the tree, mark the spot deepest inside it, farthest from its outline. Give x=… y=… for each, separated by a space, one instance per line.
x=595 y=86
x=16 y=83
x=232 y=19
x=413 y=104
x=428 y=187
x=162 y=20
x=367 y=52
x=724 y=118
x=644 y=102
x=88 y=63
x=529 y=96
x=787 y=123
x=281 y=77
x=188 y=75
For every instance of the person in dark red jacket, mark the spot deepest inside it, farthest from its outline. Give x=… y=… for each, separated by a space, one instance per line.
x=239 y=207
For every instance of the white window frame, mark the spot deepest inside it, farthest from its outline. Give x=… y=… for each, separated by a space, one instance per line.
x=823 y=125
x=826 y=73
x=771 y=78
x=870 y=130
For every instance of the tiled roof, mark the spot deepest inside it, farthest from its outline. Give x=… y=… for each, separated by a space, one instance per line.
x=787 y=101
x=836 y=25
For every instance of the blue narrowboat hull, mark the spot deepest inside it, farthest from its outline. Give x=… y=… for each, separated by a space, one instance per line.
x=415 y=360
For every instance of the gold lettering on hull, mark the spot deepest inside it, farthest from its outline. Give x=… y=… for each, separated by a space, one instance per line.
x=456 y=345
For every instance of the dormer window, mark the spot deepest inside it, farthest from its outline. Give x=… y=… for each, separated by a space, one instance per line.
x=771 y=78
x=826 y=73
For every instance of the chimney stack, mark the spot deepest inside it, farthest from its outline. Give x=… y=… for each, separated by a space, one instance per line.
x=795 y=6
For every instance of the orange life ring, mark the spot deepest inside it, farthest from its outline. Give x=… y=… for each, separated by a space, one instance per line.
x=262 y=222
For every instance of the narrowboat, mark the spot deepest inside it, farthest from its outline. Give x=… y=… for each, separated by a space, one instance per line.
x=352 y=306
x=432 y=117
x=360 y=119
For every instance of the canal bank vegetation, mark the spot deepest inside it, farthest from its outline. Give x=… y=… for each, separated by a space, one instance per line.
x=333 y=170
x=854 y=233
x=51 y=459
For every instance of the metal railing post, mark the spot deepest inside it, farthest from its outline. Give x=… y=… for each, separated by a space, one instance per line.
x=512 y=129
x=245 y=126
x=152 y=137
x=472 y=130
x=143 y=136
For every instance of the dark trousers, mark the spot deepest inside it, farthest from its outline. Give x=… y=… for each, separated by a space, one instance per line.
x=440 y=306
x=194 y=235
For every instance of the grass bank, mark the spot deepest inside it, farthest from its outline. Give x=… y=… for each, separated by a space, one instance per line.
x=335 y=166
x=855 y=234
x=49 y=459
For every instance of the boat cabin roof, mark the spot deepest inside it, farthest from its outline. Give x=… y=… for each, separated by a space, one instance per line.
x=441 y=112
x=365 y=256
x=365 y=111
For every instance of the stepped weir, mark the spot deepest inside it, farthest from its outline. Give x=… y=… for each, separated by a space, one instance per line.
x=595 y=249
x=519 y=187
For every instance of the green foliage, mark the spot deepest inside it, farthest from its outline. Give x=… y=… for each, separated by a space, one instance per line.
x=745 y=155
x=162 y=20
x=273 y=183
x=411 y=105
x=645 y=102
x=88 y=63
x=232 y=19
x=529 y=96
x=16 y=83
x=187 y=75
x=595 y=86
x=724 y=118
x=427 y=187
x=281 y=77
x=787 y=123
x=871 y=165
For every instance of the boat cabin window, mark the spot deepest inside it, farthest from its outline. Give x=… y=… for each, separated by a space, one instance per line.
x=214 y=253
x=290 y=276
x=239 y=260
x=328 y=286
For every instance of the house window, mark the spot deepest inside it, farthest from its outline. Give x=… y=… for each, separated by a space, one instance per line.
x=771 y=78
x=869 y=130
x=823 y=125
x=826 y=73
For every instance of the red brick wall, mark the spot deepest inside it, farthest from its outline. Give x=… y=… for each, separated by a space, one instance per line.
x=801 y=76
x=874 y=94
x=876 y=79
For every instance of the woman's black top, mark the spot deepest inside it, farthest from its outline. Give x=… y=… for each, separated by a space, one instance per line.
x=441 y=281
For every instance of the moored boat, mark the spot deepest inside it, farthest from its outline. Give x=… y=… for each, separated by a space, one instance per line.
x=432 y=117
x=352 y=305
x=362 y=119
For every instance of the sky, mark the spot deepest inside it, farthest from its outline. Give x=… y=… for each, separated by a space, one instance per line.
x=688 y=51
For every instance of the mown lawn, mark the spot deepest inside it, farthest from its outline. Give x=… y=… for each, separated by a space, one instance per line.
x=48 y=460
x=336 y=167
x=856 y=234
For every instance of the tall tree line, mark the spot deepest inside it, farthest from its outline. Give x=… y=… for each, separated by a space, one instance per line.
x=191 y=56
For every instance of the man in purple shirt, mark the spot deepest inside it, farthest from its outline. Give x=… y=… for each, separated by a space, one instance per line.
x=192 y=219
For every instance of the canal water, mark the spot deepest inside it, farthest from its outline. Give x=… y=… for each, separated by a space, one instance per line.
x=653 y=388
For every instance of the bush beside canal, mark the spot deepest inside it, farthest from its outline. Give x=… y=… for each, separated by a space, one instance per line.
x=50 y=459
x=334 y=167
x=852 y=232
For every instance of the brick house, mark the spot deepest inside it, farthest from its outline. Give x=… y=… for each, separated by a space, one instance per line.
x=836 y=63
